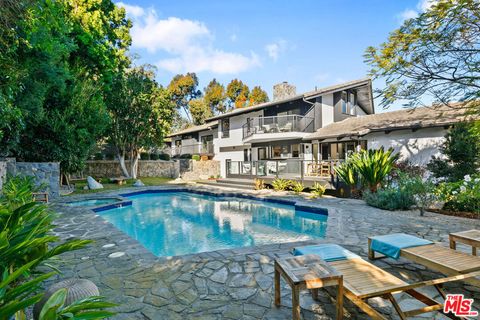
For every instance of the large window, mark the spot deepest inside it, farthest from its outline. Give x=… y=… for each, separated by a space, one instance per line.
x=286 y=151
x=225 y=127
x=348 y=102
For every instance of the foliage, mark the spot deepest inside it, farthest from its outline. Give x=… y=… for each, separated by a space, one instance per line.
x=196 y=157
x=259 y=184
x=26 y=242
x=107 y=185
x=463 y=195
x=373 y=166
x=347 y=172
x=164 y=156
x=214 y=96
x=141 y=113
x=257 y=96
x=434 y=54
x=423 y=192
x=462 y=154
x=183 y=89
x=237 y=93
x=199 y=110
x=318 y=190
x=88 y=308
x=281 y=184
x=297 y=186
x=389 y=198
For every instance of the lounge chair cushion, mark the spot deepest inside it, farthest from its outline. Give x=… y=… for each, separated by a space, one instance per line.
x=328 y=252
x=391 y=244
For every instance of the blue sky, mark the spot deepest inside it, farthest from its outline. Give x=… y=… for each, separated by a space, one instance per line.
x=307 y=43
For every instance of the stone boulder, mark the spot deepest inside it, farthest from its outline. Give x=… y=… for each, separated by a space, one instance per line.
x=139 y=183
x=93 y=184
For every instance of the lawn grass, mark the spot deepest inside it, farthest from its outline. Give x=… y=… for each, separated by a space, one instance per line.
x=107 y=185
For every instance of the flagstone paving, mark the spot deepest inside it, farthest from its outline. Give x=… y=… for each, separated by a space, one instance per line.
x=237 y=283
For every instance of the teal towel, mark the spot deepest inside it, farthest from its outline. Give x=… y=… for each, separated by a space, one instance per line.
x=328 y=252
x=391 y=244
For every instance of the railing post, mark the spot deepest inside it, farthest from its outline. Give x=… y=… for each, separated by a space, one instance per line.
x=276 y=171
x=301 y=169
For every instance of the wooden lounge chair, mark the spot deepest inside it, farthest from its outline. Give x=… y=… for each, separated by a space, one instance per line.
x=362 y=280
x=438 y=258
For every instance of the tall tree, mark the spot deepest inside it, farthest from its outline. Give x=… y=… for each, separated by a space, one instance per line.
x=237 y=93
x=436 y=54
x=184 y=88
x=141 y=113
x=214 y=95
x=200 y=110
x=258 y=95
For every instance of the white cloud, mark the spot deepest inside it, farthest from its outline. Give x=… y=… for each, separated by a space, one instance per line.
x=422 y=6
x=189 y=42
x=133 y=11
x=274 y=49
x=408 y=14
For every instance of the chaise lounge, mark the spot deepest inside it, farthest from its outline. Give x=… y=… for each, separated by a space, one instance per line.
x=363 y=280
x=426 y=253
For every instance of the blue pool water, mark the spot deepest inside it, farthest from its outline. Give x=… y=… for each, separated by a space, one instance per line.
x=177 y=223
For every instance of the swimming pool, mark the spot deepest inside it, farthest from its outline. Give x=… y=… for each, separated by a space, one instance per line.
x=177 y=223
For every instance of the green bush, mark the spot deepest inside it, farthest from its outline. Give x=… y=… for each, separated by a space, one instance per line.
x=318 y=190
x=26 y=242
x=297 y=186
x=281 y=184
x=259 y=184
x=389 y=199
x=98 y=156
x=144 y=156
x=164 y=156
x=154 y=156
x=463 y=195
x=186 y=156
x=196 y=157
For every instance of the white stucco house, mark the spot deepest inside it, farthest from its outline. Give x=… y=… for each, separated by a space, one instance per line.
x=303 y=136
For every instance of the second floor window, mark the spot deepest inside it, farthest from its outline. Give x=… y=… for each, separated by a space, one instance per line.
x=225 y=127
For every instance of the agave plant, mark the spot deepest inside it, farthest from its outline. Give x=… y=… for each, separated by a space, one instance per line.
x=318 y=190
x=373 y=166
x=297 y=186
x=281 y=184
x=347 y=172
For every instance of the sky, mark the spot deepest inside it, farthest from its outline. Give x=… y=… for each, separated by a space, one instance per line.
x=305 y=42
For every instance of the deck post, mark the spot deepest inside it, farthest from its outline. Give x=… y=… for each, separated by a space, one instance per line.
x=301 y=170
x=276 y=171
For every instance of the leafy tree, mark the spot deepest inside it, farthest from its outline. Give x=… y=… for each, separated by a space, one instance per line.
x=214 y=95
x=237 y=93
x=200 y=110
x=462 y=154
x=435 y=54
x=141 y=113
x=184 y=88
x=258 y=95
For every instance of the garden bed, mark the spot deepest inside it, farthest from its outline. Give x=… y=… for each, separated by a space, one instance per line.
x=462 y=214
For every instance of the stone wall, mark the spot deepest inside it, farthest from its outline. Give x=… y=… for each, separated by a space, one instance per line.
x=3 y=172
x=200 y=170
x=146 y=168
x=46 y=174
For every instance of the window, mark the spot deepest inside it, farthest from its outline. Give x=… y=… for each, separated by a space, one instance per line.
x=246 y=155
x=295 y=150
x=225 y=127
x=178 y=143
x=348 y=102
x=344 y=102
x=262 y=153
x=280 y=151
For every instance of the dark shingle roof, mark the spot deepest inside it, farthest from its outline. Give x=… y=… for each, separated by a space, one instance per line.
x=206 y=126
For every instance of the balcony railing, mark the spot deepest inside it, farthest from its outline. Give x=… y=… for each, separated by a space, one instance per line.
x=287 y=123
x=198 y=148
x=295 y=169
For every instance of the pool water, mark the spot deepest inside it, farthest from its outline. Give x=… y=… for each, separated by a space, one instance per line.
x=92 y=202
x=177 y=223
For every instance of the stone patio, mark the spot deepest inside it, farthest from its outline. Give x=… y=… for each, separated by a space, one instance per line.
x=237 y=283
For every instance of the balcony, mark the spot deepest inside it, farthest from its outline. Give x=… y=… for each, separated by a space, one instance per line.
x=277 y=128
x=198 y=148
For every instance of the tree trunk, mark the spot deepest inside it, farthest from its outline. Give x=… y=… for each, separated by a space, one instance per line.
x=121 y=160
x=134 y=164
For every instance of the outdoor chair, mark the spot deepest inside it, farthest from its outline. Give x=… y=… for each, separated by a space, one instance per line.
x=363 y=280
x=287 y=127
x=433 y=256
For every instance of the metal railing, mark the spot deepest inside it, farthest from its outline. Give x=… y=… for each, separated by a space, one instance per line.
x=198 y=148
x=295 y=169
x=275 y=124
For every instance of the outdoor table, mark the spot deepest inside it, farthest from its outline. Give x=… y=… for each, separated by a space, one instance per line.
x=470 y=237
x=307 y=272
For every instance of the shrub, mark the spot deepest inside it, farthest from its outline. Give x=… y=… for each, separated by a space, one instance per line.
x=154 y=156
x=186 y=156
x=463 y=195
x=196 y=157
x=423 y=192
x=98 y=156
x=164 y=156
x=144 y=156
x=281 y=184
x=259 y=184
x=297 y=186
x=389 y=199
x=347 y=172
x=318 y=190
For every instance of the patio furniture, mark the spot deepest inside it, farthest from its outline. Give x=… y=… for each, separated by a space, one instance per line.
x=470 y=237
x=287 y=127
x=363 y=281
x=433 y=256
x=307 y=272
x=118 y=180
x=40 y=196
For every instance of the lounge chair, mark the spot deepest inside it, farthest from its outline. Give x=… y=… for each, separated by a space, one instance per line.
x=426 y=253
x=363 y=280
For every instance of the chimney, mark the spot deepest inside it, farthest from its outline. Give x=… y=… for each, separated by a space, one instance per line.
x=283 y=90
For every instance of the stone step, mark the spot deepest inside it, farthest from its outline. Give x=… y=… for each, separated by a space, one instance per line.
x=226 y=185
x=245 y=182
